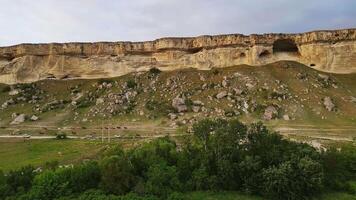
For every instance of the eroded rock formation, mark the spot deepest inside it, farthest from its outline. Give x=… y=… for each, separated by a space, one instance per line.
x=331 y=51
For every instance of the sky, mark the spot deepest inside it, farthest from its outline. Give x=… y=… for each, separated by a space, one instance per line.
x=43 y=21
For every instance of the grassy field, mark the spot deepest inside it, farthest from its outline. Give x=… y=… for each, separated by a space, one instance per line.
x=15 y=153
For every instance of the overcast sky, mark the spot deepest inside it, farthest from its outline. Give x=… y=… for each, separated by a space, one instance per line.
x=39 y=21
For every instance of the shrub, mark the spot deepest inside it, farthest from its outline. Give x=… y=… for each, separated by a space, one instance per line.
x=215 y=71
x=159 y=108
x=131 y=83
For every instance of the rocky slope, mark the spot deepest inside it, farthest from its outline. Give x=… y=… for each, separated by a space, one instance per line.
x=330 y=51
x=284 y=94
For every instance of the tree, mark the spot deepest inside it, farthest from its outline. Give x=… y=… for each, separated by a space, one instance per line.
x=117 y=174
x=20 y=181
x=339 y=166
x=85 y=176
x=205 y=128
x=50 y=185
x=162 y=180
x=250 y=174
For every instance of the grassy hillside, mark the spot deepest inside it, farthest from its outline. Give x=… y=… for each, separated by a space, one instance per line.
x=142 y=101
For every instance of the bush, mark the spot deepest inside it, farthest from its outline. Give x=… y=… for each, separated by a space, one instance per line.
x=61 y=136
x=155 y=71
x=50 y=185
x=159 y=108
x=5 y=89
x=215 y=71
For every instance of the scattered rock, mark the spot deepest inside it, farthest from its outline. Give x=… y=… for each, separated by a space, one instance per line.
x=172 y=116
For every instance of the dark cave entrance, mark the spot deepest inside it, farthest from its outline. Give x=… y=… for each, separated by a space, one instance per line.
x=285 y=45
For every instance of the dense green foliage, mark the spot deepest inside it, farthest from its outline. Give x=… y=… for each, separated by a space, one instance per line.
x=222 y=155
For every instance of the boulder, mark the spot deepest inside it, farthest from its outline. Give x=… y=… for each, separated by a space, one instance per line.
x=328 y=103
x=196 y=109
x=172 y=116
x=198 y=103
x=99 y=101
x=179 y=104
x=19 y=119
x=353 y=99
x=238 y=91
x=221 y=95
x=286 y=117
x=224 y=83
x=14 y=92
x=34 y=118
x=4 y=105
x=270 y=113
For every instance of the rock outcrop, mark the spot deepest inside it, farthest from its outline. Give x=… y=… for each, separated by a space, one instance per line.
x=331 y=51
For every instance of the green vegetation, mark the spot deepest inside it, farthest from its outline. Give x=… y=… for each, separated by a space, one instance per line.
x=221 y=156
x=131 y=83
x=159 y=109
x=154 y=71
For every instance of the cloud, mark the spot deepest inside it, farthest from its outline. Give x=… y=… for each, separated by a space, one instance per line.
x=24 y=21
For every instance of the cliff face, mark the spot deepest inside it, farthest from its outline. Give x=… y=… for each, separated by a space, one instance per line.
x=331 y=51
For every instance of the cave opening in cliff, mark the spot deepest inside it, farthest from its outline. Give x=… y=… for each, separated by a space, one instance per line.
x=264 y=53
x=285 y=45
